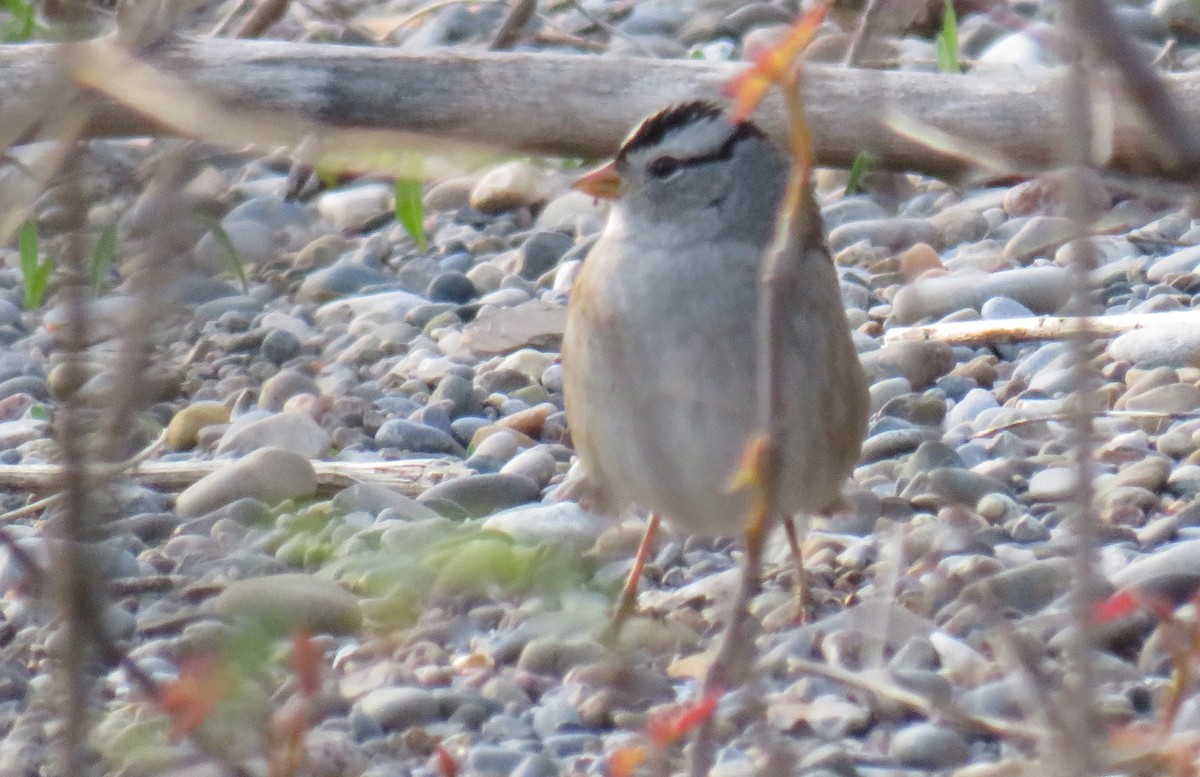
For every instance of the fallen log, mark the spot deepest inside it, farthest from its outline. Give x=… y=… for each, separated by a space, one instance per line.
x=582 y=106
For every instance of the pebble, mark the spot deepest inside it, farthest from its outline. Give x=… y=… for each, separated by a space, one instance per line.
x=1040 y=289
x=292 y=431
x=482 y=495
x=416 y=437
x=184 y=429
x=510 y=185
x=562 y=524
x=269 y=475
x=353 y=208
x=289 y=602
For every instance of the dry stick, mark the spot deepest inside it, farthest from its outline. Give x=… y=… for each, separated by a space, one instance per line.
x=412 y=476
x=1016 y=330
x=862 y=33
x=1079 y=725
x=513 y=26
x=502 y=100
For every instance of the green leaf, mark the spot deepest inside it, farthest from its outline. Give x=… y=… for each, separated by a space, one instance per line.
x=947 y=41
x=229 y=256
x=864 y=162
x=102 y=256
x=39 y=413
x=410 y=210
x=35 y=275
x=20 y=27
x=27 y=247
x=35 y=285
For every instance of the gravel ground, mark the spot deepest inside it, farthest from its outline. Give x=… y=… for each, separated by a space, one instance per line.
x=459 y=621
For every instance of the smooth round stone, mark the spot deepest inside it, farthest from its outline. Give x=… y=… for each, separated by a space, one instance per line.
x=451 y=194
x=888 y=389
x=459 y=392
x=184 y=428
x=997 y=507
x=1041 y=289
x=269 y=475
x=851 y=209
x=252 y=242
x=289 y=602
x=921 y=363
x=653 y=19
x=490 y=759
x=998 y=699
x=510 y=185
x=454 y=287
x=1150 y=473
x=499 y=444
x=573 y=212
x=282 y=386
x=890 y=444
x=1030 y=587
x=397 y=709
x=560 y=524
x=416 y=437
x=10 y=313
x=554 y=656
x=536 y=464
x=374 y=498
x=1023 y=51
x=279 y=345
x=482 y=495
x=1175 y=398
x=353 y=208
x=1054 y=484
x=962 y=486
x=929 y=746
x=289 y=430
x=1181 y=262
x=956 y=226
x=1185 y=480
x=1180 y=558
x=895 y=234
x=542 y=251
x=967 y=409
x=1173 y=345
x=999 y=308
x=341 y=279
x=536 y=765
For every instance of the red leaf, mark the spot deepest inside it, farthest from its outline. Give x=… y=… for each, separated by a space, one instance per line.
x=305 y=663
x=188 y=699
x=670 y=727
x=446 y=765
x=773 y=65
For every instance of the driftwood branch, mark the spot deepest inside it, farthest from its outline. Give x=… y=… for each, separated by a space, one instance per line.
x=412 y=476
x=582 y=106
x=1017 y=330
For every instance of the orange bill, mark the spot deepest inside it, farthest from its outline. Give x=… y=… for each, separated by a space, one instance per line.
x=603 y=183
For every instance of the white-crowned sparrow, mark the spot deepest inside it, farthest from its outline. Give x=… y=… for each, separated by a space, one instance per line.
x=659 y=355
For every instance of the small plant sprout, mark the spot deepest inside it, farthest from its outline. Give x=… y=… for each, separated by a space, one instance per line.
x=947 y=40
x=34 y=272
x=410 y=211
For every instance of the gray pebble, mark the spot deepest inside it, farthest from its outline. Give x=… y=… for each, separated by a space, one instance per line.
x=397 y=709
x=929 y=746
x=416 y=437
x=289 y=602
x=483 y=495
x=269 y=475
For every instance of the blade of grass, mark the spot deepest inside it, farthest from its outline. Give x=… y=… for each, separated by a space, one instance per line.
x=229 y=255
x=947 y=42
x=410 y=210
x=864 y=162
x=102 y=256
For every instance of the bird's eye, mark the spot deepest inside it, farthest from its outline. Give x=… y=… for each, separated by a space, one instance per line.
x=663 y=166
